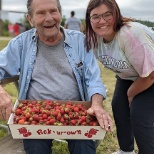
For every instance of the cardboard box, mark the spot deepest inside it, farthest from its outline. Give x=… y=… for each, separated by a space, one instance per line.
x=55 y=132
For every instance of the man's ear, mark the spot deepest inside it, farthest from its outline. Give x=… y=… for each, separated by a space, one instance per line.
x=29 y=18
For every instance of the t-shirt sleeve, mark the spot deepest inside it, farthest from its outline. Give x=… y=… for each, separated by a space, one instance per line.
x=138 y=47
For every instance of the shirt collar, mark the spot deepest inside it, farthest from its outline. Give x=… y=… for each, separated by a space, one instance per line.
x=64 y=31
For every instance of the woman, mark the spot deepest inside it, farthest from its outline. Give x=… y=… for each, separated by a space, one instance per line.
x=127 y=48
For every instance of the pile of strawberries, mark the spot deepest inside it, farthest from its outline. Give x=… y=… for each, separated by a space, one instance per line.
x=49 y=112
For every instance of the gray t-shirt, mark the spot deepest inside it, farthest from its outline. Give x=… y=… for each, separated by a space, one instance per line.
x=52 y=76
x=131 y=53
x=73 y=23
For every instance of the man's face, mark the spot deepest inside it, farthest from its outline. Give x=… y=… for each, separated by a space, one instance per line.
x=46 y=18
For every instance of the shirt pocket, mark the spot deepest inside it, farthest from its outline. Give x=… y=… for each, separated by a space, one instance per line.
x=79 y=68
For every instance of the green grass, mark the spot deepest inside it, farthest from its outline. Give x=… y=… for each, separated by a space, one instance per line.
x=11 y=89
x=109 y=144
x=3 y=43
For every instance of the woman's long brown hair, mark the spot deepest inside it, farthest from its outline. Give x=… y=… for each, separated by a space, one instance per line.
x=119 y=20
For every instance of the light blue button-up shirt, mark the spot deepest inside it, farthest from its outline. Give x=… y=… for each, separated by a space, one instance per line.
x=20 y=54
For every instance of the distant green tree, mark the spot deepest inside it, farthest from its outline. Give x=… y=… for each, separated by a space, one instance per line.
x=5 y=24
x=63 y=21
x=83 y=25
x=26 y=23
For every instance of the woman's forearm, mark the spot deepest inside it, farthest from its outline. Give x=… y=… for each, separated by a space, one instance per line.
x=139 y=85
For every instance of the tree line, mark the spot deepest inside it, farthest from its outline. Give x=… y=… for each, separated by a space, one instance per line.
x=147 y=23
x=25 y=23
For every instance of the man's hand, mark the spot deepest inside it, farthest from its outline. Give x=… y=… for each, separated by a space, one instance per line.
x=5 y=104
x=102 y=116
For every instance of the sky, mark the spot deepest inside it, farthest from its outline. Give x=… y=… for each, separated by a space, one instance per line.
x=138 y=9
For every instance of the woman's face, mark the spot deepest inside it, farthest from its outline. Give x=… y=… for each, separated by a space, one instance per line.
x=102 y=22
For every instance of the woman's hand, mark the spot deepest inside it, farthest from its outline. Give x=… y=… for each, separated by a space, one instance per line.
x=140 y=85
x=130 y=100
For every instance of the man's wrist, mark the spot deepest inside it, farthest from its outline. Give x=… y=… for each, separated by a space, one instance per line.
x=97 y=99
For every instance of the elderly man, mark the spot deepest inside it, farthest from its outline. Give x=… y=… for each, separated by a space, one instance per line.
x=46 y=56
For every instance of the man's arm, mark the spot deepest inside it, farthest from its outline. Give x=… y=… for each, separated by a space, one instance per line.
x=5 y=104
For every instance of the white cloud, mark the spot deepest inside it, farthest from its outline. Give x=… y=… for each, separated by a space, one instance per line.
x=14 y=5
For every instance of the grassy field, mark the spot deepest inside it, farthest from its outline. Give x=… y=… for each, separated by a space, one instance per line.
x=109 y=143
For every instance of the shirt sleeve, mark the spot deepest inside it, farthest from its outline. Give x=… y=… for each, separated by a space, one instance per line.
x=9 y=59
x=92 y=75
x=139 y=49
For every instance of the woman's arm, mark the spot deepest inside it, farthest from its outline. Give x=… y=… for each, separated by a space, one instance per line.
x=139 y=85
